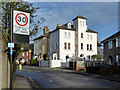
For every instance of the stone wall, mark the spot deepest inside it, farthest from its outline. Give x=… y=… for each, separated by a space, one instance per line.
x=4 y=67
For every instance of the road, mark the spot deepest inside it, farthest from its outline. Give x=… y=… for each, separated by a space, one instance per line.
x=47 y=78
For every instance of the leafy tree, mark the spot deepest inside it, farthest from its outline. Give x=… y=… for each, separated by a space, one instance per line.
x=98 y=56
x=6 y=21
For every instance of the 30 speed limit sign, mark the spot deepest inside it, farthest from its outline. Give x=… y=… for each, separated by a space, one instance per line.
x=21 y=22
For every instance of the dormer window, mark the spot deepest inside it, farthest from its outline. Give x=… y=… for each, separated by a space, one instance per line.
x=69 y=25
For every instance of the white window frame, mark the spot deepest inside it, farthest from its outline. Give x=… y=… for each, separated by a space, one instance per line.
x=69 y=35
x=65 y=35
x=87 y=36
x=23 y=54
x=27 y=53
x=110 y=45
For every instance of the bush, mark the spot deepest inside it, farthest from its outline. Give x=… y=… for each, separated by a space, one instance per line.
x=33 y=61
x=97 y=57
x=14 y=66
x=108 y=70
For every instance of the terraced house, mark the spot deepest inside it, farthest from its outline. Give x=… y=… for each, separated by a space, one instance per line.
x=112 y=49
x=73 y=40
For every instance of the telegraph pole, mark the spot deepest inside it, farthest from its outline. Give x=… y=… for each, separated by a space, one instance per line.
x=11 y=51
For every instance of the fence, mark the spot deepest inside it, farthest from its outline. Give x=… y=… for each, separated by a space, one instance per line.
x=50 y=63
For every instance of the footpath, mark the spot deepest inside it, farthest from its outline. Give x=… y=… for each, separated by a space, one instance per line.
x=23 y=82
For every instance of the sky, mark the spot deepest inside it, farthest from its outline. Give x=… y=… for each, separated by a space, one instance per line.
x=101 y=16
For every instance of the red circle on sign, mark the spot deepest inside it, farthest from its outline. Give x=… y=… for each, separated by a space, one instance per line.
x=17 y=21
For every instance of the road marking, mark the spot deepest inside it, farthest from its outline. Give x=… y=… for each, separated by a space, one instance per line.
x=51 y=81
x=51 y=74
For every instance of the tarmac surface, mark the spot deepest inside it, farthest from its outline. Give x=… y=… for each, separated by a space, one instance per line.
x=63 y=78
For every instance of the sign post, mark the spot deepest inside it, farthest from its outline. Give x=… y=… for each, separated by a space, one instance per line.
x=11 y=52
x=19 y=32
x=21 y=22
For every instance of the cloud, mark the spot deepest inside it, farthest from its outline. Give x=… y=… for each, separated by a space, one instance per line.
x=101 y=16
x=72 y=0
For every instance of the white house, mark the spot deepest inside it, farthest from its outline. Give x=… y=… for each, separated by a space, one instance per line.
x=73 y=40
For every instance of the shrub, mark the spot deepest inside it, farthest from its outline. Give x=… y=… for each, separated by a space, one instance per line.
x=33 y=61
x=108 y=70
x=14 y=66
x=97 y=57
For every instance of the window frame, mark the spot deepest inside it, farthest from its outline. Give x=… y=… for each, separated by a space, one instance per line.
x=65 y=45
x=69 y=46
x=81 y=35
x=81 y=46
x=87 y=46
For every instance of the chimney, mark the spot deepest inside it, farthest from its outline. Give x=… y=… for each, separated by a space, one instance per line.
x=45 y=30
x=58 y=25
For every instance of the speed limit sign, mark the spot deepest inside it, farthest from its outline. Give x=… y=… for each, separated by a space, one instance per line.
x=21 y=22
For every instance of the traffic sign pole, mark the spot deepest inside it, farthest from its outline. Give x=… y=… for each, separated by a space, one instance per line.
x=11 y=51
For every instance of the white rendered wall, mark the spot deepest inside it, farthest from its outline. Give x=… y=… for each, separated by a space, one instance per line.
x=55 y=63
x=71 y=40
x=82 y=27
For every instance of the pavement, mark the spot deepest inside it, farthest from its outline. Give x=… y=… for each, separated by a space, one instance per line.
x=21 y=82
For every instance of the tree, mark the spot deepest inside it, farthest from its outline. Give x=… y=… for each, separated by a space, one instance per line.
x=21 y=6
x=98 y=56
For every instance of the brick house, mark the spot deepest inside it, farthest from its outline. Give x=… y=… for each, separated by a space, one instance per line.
x=26 y=55
x=112 y=49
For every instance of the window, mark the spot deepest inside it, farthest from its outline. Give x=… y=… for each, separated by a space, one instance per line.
x=27 y=59
x=117 y=59
x=90 y=46
x=81 y=23
x=52 y=46
x=116 y=42
x=68 y=45
x=88 y=57
x=65 y=45
x=69 y=25
x=56 y=45
x=65 y=35
x=81 y=45
x=27 y=53
x=81 y=35
x=110 y=45
x=119 y=42
x=88 y=37
x=87 y=46
x=69 y=35
x=23 y=54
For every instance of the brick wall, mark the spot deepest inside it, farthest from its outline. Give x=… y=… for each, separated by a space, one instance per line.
x=111 y=52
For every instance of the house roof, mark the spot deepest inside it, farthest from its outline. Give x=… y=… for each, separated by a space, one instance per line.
x=89 y=30
x=46 y=35
x=98 y=44
x=113 y=36
x=80 y=17
x=64 y=26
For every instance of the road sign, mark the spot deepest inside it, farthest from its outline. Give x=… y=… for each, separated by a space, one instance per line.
x=21 y=21
x=11 y=45
x=11 y=51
